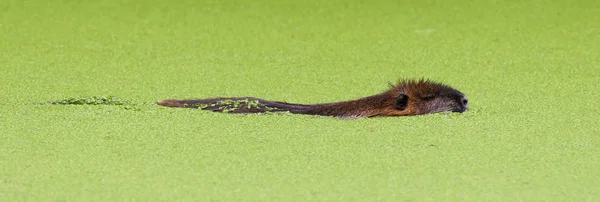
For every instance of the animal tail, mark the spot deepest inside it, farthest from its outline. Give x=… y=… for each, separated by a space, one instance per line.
x=237 y=105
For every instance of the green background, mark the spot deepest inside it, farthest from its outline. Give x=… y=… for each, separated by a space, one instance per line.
x=531 y=70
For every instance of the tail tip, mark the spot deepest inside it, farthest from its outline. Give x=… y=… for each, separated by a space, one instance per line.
x=167 y=103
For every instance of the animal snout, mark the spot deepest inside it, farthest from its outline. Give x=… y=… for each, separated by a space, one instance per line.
x=463 y=105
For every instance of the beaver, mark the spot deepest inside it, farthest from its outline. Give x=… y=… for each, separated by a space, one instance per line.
x=406 y=98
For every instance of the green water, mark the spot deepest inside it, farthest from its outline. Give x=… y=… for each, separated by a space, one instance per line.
x=530 y=69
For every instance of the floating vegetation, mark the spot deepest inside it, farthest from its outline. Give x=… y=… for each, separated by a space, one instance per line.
x=229 y=106
x=95 y=100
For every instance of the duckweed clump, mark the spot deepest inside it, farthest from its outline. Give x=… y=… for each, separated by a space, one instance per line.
x=228 y=106
x=94 y=100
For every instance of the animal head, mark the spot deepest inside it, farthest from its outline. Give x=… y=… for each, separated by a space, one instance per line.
x=415 y=97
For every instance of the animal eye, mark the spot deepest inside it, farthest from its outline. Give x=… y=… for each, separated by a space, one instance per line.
x=465 y=101
x=401 y=102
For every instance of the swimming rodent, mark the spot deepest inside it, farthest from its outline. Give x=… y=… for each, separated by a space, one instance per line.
x=406 y=98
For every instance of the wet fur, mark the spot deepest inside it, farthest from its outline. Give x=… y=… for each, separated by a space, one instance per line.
x=406 y=98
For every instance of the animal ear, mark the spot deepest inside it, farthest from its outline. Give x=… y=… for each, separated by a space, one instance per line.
x=401 y=102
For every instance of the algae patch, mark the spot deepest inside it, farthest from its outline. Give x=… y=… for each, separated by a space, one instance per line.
x=232 y=106
x=95 y=100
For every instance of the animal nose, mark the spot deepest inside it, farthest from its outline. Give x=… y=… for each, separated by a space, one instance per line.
x=463 y=106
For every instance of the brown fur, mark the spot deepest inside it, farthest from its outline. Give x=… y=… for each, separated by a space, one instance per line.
x=407 y=98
